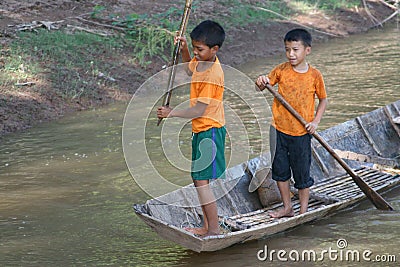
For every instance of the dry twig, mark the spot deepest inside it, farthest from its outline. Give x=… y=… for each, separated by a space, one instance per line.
x=50 y=25
x=89 y=30
x=25 y=84
x=100 y=24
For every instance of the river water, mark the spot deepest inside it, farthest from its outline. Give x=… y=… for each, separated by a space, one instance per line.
x=66 y=194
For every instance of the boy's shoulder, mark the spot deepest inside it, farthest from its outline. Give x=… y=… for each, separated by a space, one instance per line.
x=214 y=74
x=286 y=66
x=212 y=64
x=314 y=70
x=283 y=66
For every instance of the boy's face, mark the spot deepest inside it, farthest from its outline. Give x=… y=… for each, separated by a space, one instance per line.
x=296 y=52
x=202 y=52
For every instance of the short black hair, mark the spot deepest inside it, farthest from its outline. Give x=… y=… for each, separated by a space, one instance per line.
x=299 y=35
x=209 y=32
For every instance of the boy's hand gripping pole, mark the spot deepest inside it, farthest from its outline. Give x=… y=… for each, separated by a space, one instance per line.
x=172 y=72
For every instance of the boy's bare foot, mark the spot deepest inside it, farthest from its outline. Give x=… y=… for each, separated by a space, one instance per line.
x=209 y=234
x=302 y=212
x=282 y=213
x=197 y=230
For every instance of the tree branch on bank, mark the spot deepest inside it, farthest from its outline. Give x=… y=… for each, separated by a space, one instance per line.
x=372 y=18
x=389 y=5
x=295 y=22
x=390 y=17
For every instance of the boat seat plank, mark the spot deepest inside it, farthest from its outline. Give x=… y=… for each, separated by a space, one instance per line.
x=368 y=136
x=390 y=162
x=394 y=121
x=319 y=161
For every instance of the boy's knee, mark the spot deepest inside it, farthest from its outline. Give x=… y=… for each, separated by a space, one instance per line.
x=306 y=184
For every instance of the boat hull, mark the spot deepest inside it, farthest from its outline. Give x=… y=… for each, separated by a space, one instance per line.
x=370 y=144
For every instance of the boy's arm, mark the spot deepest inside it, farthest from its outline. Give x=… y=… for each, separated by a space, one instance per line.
x=312 y=126
x=189 y=113
x=185 y=54
x=184 y=50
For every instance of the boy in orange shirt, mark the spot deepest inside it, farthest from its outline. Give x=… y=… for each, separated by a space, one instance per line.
x=207 y=114
x=298 y=83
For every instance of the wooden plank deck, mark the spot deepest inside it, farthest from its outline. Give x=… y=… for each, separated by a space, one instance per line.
x=334 y=190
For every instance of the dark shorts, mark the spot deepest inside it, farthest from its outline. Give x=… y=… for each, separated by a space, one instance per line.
x=292 y=158
x=208 y=154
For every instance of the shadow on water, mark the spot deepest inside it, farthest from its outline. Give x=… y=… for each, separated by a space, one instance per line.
x=66 y=194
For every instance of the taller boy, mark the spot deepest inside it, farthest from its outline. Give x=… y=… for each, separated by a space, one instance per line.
x=298 y=83
x=207 y=114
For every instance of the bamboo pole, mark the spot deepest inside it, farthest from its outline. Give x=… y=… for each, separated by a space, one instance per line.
x=172 y=73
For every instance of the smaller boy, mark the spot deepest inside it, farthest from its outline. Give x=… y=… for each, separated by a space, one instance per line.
x=298 y=83
x=207 y=114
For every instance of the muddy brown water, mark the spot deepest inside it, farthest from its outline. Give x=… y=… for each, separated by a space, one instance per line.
x=66 y=194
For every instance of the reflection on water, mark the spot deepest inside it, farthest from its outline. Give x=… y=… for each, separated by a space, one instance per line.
x=66 y=193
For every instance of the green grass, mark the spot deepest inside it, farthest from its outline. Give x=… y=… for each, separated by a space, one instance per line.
x=17 y=68
x=150 y=42
x=244 y=14
x=149 y=35
x=331 y=4
x=71 y=60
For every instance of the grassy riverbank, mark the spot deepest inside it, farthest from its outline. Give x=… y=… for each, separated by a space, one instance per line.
x=68 y=56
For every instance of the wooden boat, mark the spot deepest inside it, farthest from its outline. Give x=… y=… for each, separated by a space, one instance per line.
x=370 y=144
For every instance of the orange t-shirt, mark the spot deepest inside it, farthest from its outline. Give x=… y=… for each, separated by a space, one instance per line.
x=207 y=87
x=299 y=90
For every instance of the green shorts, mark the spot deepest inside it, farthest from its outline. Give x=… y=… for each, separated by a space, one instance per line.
x=208 y=154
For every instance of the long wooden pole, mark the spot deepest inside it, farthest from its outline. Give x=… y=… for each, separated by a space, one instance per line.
x=373 y=196
x=172 y=72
